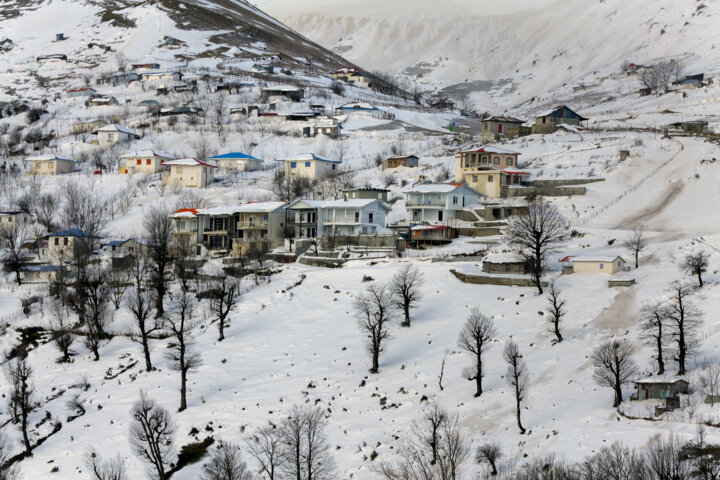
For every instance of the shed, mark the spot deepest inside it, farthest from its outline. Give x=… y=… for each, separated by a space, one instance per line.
x=400 y=161
x=660 y=388
x=432 y=234
x=600 y=264
x=505 y=263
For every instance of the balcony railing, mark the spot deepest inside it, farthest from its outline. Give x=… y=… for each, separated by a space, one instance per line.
x=424 y=203
x=258 y=224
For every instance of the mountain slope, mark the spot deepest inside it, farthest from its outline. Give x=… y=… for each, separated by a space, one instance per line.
x=524 y=50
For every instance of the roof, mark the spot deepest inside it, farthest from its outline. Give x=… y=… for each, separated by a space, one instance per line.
x=72 y=232
x=233 y=156
x=41 y=268
x=504 y=258
x=358 y=106
x=562 y=108
x=366 y=189
x=429 y=227
x=85 y=89
x=306 y=157
x=349 y=203
x=147 y=153
x=260 y=207
x=185 y=212
x=48 y=158
x=396 y=157
x=187 y=162
x=491 y=149
x=662 y=379
x=282 y=88
x=439 y=188
x=608 y=259
x=515 y=172
x=117 y=128
x=503 y=118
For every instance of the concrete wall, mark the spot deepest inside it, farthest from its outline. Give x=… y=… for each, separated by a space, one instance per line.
x=479 y=231
x=496 y=280
x=512 y=191
x=561 y=182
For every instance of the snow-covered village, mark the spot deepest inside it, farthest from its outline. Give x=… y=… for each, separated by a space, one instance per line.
x=334 y=240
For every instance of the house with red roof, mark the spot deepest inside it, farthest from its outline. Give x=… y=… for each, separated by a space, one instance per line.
x=148 y=161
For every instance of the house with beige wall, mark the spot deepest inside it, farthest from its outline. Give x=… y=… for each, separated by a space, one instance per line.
x=50 y=165
x=500 y=126
x=241 y=162
x=189 y=172
x=600 y=264
x=114 y=134
x=59 y=247
x=144 y=161
x=487 y=169
x=547 y=122
x=310 y=166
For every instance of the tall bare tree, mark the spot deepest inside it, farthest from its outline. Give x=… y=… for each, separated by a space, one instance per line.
x=98 y=313
x=614 y=366
x=113 y=469
x=224 y=294
x=182 y=353
x=159 y=228
x=140 y=303
x=684 y=320
x=374 y=311
x=306 y=451
x=709 y=380
x=636 y=243
x=475 y=338
x=406 y=286
x=556 y=309
x=266 y=446
x=516 y=377
x=13 y=238
x=21 y=398
x=152 y=434
x=652 y=327
x=61 y=329
x=226 y=463
x=696 y=264
x=537 y=232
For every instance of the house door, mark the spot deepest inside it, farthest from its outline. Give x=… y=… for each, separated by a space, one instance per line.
x=500 y=128
x=440 y=215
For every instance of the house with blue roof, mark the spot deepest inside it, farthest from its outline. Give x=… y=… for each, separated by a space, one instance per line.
x=241 y=162
x=59 y=247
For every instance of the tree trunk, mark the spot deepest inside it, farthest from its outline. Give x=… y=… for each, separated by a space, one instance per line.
x=221 y=329
x=538 y=270
x=557 y=330
x=24 y=428
x=17 y=276
x=375 y=358
x=478 y=378
x=517 y=410
x=159 y=309
x=661 y=362
x=618 y=386
x=681 y=352
x=146 y=351
x=406 y=310
x=96 y=352
x=637 y=254
x=699 y=274
x=183 y=388
x=494 y=469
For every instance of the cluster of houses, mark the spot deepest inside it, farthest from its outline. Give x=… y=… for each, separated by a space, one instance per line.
x=499 y=127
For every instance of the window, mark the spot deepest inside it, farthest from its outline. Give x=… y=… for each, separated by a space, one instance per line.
x=263 y=233
x=490 y=178
x=455 y=200
x=500 y=128
x=379 y=196
x=179 y=170
x=496 y=160
x=181 y=225
x=357 y=217
x=148 y=162
x=602 y=266
x=57 y=241
x=509 y=161
x=370 y=218
x=333 y=167
x=307 y=164
x=474 y=177
x=293 y=164
x=619 y=264
x=139 y=161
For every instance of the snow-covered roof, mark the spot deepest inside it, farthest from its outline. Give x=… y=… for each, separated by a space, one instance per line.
x=261 y=207
x=434 y=188
x=282 y=88
x=349 y=203
x=429 y=227
x=185 y=213
x=662 y=379
x=148 y=153
x=48 y=158
x=599 y=258
x=188 y=162
x=234 y=156
x=358 y=106
x=502 y=118
x=491 y=149
x=72 y=232
x=117 y=128
x=306 y=157
x=504 y=258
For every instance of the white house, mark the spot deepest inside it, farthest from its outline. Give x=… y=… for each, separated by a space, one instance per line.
x=16 y=218
x=80 y=92
x=323 y=218
x=156 y=76
x=310 y=166
x=113 y=134
x=60 y=246
x=144 y=161
x=50 y=165
x=601 y=264
x=238 y=161
x=438 y=202
x=189 y=172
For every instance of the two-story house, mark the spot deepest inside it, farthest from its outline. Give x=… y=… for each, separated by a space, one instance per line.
x=114 y=134
x=189 y=172
x=438 y=202
x=547 y=122
x=62 y=246
x=310 y=166
x=349 y=217
x=500 y=126
x=487 y=169
x=145 y=161
x=238 y=161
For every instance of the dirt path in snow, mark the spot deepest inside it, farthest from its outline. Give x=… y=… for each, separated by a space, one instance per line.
x=668 y=196
x=621 y=314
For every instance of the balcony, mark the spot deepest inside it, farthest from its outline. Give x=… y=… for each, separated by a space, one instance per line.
x=250 y=225
x=425 y=203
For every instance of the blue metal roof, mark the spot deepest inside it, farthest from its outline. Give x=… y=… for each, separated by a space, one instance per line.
x=42 y=268
x=71 y=232
x=233 y=155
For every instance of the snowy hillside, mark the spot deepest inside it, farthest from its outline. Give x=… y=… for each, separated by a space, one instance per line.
x=507 y=52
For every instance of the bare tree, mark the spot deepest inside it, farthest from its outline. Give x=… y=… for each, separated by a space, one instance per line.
x=98 y=314
x=226 y=463
x=224 y=294
x=13 y=237
x=615 y=462
x=405 y=286
x=516 y=377
x=118 y=280
x=696 y=264
x=140 y=304
x=9 y=472
x=684 y=319
x=182 y=353
x=652 y=323
x=556 y=309
x=537 y=232
x=265 y=447
x=121 y=61
x=152 y=434
x=61 y=329
x=113 y=469
x=636 y=243
x=21 y=398
x=374 y=311
x=664 y=459
x=490 y=453
x=159 y=228
x=475 y=338
x=305 y=451
x=428 y=429
x=614 y=366
x=709 y=380
x=46 y=208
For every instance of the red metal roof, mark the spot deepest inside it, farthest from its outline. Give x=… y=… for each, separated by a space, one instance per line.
x=194 y=211
x=510 y=172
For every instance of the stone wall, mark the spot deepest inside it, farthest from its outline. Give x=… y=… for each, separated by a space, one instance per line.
x=496 y=280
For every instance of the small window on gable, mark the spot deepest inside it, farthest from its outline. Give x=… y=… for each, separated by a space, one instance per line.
x=509 y=161
x=307 y=164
